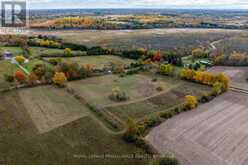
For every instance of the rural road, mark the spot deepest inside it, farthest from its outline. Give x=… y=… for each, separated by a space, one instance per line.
x=213 y=134
x=214 y=43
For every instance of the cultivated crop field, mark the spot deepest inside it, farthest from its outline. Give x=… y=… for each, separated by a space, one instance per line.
x=163 y=39
x=214 y=132
x=236 y=43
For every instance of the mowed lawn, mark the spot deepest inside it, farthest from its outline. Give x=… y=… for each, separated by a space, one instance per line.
x=98 y=89
x=98 y=61
x=6 y=68
x=12 y=49
x=71 y=143
x=38 y=51
x=173 y=97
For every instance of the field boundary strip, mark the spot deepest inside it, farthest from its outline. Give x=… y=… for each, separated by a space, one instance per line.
x=95 y=116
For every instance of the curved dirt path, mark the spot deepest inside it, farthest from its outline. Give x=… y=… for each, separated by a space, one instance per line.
x=212 y=44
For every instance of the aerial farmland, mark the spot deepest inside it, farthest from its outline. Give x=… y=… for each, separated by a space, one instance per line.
x=125 y=87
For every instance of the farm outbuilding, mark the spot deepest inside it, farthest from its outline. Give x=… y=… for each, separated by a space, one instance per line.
x=7 y=55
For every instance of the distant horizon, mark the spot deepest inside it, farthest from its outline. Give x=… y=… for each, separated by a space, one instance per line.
x=139 y=8
x=137 y=4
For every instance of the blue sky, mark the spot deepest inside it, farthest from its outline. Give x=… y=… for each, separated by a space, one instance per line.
x=203 y=4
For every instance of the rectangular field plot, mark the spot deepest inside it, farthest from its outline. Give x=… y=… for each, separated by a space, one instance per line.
x=98 y=62
x=137 y=87
x=170 y=99
x=14 y=119
x=65 y=145
x=50 y=107
x=215 y=133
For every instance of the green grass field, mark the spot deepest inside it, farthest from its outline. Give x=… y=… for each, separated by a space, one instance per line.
x=69 y=143
x=97 y=90
x=35 y=51
x=6 y=68
x=98 y=61
x=38 y=51
x=14 y=50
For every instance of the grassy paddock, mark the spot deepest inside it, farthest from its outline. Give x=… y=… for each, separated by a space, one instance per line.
x=14 y=50
x=97 y=90
x=39 y=51
x=170 y=99
x=97 y=61
x=6 y=68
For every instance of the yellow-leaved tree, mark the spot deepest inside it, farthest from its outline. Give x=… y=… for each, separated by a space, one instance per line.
x=20 y=59
x=67 y=52
x=191 y=102
x=59 y=78
x=166 y=69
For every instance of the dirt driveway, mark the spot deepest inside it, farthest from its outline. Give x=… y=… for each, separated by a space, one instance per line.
x=215 y=133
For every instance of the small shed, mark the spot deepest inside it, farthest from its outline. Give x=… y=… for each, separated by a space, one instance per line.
x=7 y=55
x=206 y=63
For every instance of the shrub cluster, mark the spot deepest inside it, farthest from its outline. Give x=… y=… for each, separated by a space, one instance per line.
x=135 y=130
x=97 y=50
x=9 y=78
x=166 y=69
x=73 y=71
x=118 y=95
x=19 y=77
x=20 y=59
x=200 y=53
x=55 y=61
x=59 y=79
x=191 y=102
x=168 y=159
x=234 y=59
x=205 y=78
x=44 y=43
